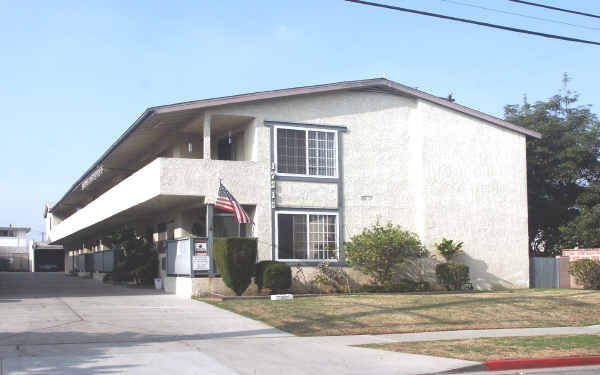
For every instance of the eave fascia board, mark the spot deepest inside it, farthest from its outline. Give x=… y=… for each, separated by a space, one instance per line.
x=143 y=117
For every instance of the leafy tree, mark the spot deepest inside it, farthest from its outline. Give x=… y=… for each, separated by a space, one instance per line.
x=559 y=166
x=379 y=250
x=584 y=230
x=137 y=258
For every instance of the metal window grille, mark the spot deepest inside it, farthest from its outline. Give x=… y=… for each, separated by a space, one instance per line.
x=322 y=239
x=291 y=151
x=321 y=153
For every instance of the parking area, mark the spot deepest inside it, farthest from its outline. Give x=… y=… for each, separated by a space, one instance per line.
x=57 y=324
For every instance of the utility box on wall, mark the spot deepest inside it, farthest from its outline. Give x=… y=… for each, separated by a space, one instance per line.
x=190 y=257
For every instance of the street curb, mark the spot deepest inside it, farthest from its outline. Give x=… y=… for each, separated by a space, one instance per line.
x=515 y=364
x=519 y=364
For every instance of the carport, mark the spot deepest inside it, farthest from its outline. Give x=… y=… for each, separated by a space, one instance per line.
x=48 y=258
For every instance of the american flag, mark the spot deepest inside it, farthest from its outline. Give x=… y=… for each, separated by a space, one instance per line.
x=227 y=202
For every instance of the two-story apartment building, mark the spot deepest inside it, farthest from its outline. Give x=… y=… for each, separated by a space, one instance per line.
x=14 y=249
x=313 y=166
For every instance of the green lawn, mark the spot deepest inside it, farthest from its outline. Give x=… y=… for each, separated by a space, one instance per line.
x=486 y=349
x=398 y=313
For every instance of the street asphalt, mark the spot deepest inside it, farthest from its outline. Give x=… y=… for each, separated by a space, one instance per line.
x=57 y=324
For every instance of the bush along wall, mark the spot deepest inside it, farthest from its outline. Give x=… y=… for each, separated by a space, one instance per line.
x=586 y=272
x=277 y=277
x=260 y=270
x=452 y=275
x=235 y=258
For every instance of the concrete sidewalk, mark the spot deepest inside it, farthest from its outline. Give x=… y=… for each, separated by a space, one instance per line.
x=454 y=335
x=55 y=324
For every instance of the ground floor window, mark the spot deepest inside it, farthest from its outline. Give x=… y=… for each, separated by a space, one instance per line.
x=307 y=236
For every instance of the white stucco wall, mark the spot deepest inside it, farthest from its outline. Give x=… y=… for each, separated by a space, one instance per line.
x=307 y=194
x=429 y=169
x=474 y=190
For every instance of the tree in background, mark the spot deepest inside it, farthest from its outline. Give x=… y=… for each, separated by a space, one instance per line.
x=135 y=255
x=584 y=230
x=560 y=166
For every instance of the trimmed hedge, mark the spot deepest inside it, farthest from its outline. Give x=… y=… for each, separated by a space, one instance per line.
x=452 y=275
x=260 y=270
x=586 y=272
x=277 y=276
x=399 y=286
x=235 y=258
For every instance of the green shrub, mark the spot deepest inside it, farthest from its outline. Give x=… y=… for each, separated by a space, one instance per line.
x=379 y=250
x=235 y=258
x=277 y=277
x=452 y=275
x=586 y=272
x=260 y=270
x=448 y=248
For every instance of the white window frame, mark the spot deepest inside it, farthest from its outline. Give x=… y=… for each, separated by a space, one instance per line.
x=306 y=129
x=308 y=213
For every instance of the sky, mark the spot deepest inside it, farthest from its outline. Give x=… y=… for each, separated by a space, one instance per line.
x=75 y=74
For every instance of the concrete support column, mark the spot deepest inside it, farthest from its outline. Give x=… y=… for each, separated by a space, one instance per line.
x=206 y=129
x=210 y=233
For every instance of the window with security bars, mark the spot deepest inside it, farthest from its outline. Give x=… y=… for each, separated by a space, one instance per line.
x=306 y=152
x=321 y=153
x=291 y=151
x=306 y=236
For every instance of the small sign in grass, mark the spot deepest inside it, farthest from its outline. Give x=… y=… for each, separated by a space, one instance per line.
x=498 y=348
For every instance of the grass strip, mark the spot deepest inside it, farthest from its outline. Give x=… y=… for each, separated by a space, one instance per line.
x=499 y=348
x=404 y=313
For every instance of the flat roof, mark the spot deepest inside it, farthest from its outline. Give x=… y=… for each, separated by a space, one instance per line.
x=18 y=229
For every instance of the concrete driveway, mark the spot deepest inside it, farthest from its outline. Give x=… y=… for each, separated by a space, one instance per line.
x=56 y=324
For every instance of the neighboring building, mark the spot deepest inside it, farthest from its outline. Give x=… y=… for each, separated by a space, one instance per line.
x=313 y=166
x=47 y=258
x=14 y=249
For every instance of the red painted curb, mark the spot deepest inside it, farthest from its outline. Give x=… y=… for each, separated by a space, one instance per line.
x=514 y=364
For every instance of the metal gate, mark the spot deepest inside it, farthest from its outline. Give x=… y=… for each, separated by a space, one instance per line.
x=543 y=272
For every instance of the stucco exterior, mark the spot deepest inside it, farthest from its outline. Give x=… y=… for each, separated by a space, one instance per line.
x=402 y=159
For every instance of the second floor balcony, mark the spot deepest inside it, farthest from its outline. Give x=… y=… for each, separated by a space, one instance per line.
x=163 y=183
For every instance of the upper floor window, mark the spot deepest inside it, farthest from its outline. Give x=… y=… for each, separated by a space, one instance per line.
x=306 y=152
